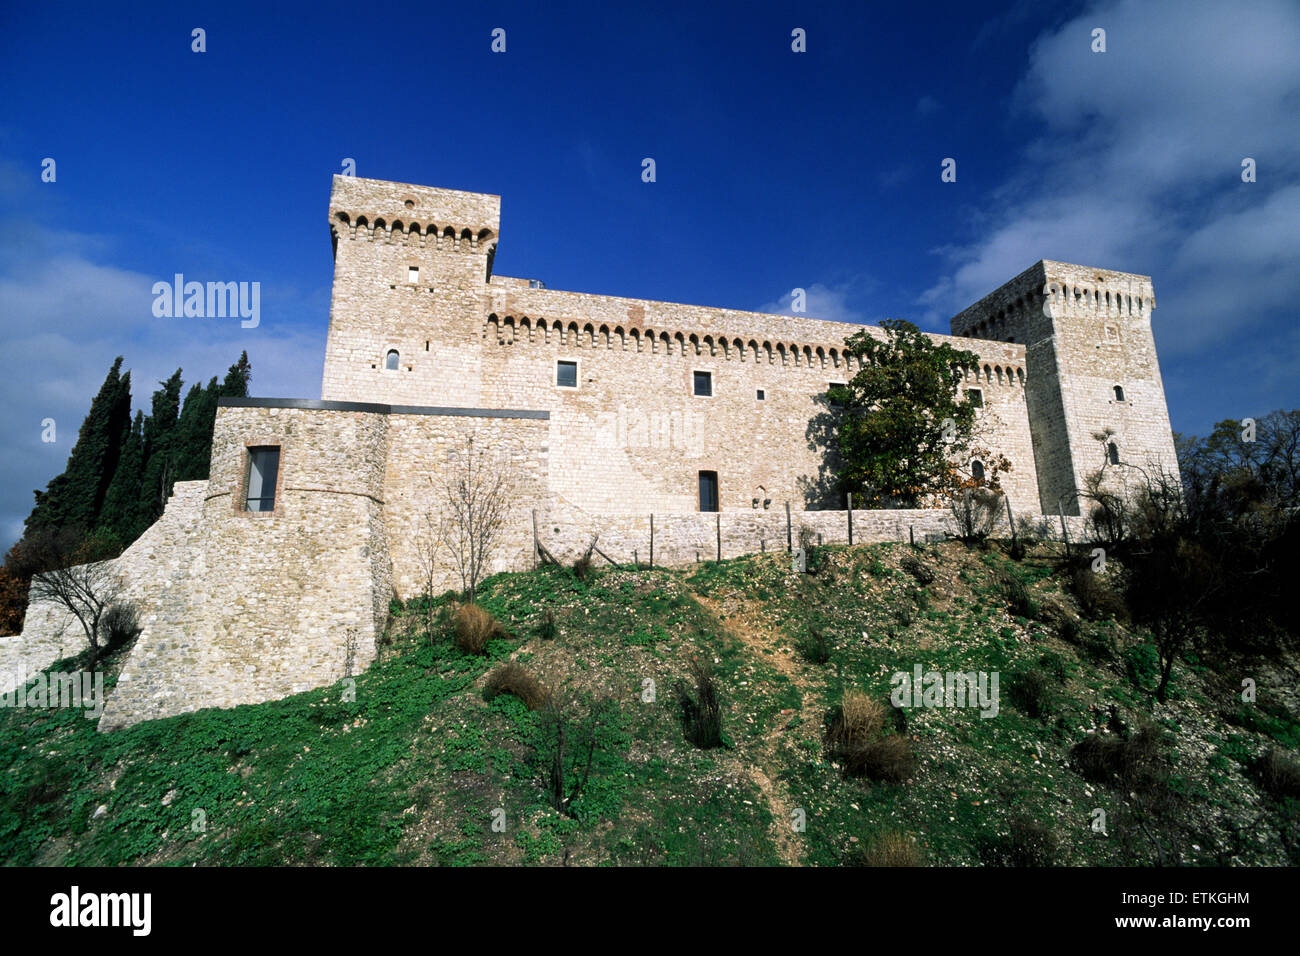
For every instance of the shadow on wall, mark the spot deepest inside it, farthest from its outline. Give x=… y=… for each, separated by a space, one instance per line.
x=822 y=493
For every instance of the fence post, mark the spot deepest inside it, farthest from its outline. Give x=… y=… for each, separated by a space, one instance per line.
x=535 y=551
x=911 y=536
x=719 y=537
x=652 y=542
x=789 y=540
x=850 y=517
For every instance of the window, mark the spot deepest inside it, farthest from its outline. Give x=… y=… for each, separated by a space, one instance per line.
x=390 y=363
x=536 y=284
x=761 y=395
x=976 y=397
x=566 y=374
x=704 y=386
x=708 y=491
x=412 y=273
x=1112 y=453
x=835 y=394
x=263 y=469
x=977 y=470
x=1119 y=393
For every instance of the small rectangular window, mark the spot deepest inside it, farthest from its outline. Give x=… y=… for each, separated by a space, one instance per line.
x=413 y=274
x=566 y=374
x=835 y=394
x=704 y=383
x=761 y=395
x=708 y=491
x=263 y=470
x=976 y=397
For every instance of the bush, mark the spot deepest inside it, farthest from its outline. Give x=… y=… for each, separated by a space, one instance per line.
x=1137 y=763
x=913 y=566
x=474 y=627
x=857 y=737
x=1031 y=691
x=888 y=848
x=1143 y=664
x=1029 y=843
x=701 y=708
x=814 y=646
x=886 y=758
x=858 y=719
x=548 y=630
x=121 y=624
x=1019 y=599
x=1067 y=629
x=1097 y=599
x=1278 y=774
x=513 y=678
x=582 y=567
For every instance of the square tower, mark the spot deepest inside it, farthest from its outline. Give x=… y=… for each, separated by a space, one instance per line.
x=411 y=270
x=1091 y=368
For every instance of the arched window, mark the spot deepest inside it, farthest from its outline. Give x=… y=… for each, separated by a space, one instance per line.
x=1112 y=453
x=977 y=470
x=1119 y=393
x=390 y=363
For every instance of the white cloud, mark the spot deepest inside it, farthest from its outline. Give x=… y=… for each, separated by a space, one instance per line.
x=66 y=318
x=820 y=302
x=1138 y=167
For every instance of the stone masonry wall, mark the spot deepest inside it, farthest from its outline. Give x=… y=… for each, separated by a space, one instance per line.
x=281 y=601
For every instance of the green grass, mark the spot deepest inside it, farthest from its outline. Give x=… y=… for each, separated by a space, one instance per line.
x=418 y=769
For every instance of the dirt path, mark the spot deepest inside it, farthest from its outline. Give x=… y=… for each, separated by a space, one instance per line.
x=762 y=761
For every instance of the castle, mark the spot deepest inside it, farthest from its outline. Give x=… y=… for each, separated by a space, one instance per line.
x=275 y=575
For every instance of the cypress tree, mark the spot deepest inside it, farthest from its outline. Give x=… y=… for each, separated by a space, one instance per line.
x=237 y=378
x=74 y=498
x=159 y=448
x=122 y=515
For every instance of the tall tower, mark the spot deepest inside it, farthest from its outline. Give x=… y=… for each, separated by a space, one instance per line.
x=1091 y=368
x=411 y=269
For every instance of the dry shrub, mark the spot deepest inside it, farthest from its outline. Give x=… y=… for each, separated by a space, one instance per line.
x=859 y=719
x=893 y=848
x=1137 y=763
x=701 y=708
x=887 y=848
x=513 y=678
x=1278 y=773
x=1029 y=843
x=1097 y=599
x=582 y=566
x=885 y=758
x=474 y=627
x=858 y=737
x=917 y=569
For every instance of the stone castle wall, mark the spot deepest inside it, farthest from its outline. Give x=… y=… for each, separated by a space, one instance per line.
x=632 y=435
x=1089 y=331
x=245 y=606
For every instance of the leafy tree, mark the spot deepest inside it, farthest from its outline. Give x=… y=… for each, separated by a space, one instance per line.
x=902 y=418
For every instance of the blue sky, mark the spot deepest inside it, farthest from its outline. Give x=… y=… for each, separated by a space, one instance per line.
x=774 y=170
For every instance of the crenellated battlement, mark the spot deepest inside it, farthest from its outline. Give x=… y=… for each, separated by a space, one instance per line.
x=401 y=213
x=1005 y=363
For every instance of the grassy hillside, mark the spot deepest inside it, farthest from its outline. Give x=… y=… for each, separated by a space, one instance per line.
x=419 y=767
